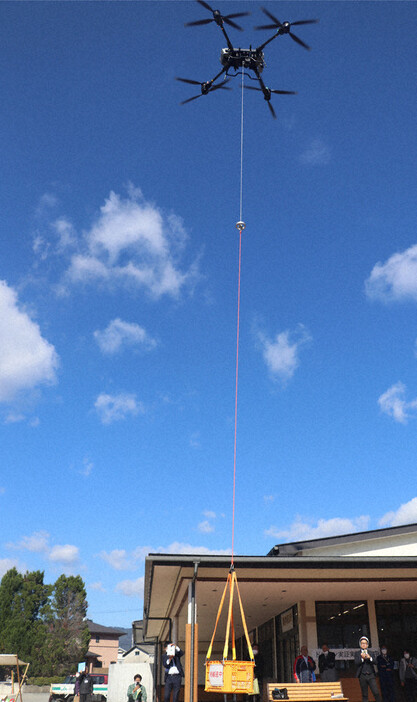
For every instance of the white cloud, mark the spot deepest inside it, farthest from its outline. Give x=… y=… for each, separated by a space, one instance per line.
x=281 y=355
x=317 y=153
x=65 y=233
x=66 y=554
x=181 y=548
x=26 y=358
x=120 y=559
x=300 y=529
x=178 y=547
x=117 y=559
x=38 y=542
x=97 y=586
x=396 y=279
x=209 y=514
x=87 y=467
x=205 y=527
x=131 y=588
x=195 y=439
x=46 y=202
x=119 y=333
x=393 y=403
x=406 y=514
x=113 y=408
x=14 y=418
x=9 y=563
x=132 y=242
x=140 y=553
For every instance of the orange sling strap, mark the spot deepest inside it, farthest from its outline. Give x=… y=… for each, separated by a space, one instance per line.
x=230 y=583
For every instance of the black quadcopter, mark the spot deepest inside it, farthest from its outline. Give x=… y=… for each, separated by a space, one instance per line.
x=245 y=59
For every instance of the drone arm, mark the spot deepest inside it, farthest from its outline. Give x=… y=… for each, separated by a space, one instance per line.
x=224 y=69
x=268 y=41
x=229 y=43
x=261 y=83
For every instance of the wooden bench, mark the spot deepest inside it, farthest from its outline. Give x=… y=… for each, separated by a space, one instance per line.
x=310 y=692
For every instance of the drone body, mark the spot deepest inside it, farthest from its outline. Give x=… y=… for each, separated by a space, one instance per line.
x=247 y=60
x=252 y=59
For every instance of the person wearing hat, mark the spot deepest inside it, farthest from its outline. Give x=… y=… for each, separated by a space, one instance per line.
x=365 y=670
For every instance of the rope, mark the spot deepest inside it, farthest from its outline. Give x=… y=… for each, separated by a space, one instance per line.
x=240 y=225
x=241 y=153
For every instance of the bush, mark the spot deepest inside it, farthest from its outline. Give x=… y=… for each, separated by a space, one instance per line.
x=55 y=680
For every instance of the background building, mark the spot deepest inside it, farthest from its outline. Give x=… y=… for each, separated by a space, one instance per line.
x=104 y=644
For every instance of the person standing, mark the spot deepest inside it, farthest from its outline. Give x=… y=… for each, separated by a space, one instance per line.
x=77 y=687
x=327 y=665
x=365 y=670
x=408 y=676
x=386 y=674
x=136 y=691
x=304 y=667
x=86 y=686
x=257 y=674
x=171 y=660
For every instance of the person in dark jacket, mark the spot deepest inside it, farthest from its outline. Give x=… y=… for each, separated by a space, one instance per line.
x=365 y=670
x=77 y=685
x=327 y=665
x=386 y=674
x=86 y=686
x=171 y=660
x=408 y=676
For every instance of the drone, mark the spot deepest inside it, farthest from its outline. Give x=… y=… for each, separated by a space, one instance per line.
x=251 y=60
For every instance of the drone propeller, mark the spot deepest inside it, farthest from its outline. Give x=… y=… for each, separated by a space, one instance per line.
x=267 y=92
x=205 y=88
x=188 y=80
x=276 y=92
x=285 y=27
x=218 y=18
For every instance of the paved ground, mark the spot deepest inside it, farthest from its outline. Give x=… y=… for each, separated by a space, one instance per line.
x=34 y=696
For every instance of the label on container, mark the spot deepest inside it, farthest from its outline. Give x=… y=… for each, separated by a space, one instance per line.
x=216 y=675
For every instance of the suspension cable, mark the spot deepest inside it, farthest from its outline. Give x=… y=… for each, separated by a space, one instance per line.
x=240 y=226
x=241 y=152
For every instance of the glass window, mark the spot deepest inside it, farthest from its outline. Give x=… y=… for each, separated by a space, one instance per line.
x=266 y=648
x=397 y=625
x=340 y=624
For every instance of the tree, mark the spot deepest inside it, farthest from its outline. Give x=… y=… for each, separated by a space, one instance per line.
x=68 y=635
x=44 y=624
x=23 y=610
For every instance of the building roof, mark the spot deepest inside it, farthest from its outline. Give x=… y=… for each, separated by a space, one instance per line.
x=91 y=654
x=100 y=629
x=296 y=547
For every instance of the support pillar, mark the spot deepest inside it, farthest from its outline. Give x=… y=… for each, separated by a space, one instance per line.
x=191 y=644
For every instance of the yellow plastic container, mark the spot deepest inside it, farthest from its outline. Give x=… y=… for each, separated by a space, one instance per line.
x=229 y=676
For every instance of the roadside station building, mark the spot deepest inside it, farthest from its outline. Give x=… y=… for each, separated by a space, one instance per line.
x=330 y=590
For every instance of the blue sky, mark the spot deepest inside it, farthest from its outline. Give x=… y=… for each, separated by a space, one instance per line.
x=118 y=290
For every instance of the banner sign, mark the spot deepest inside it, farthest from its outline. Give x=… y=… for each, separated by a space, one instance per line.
x=342 y=654
x=287 y=622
